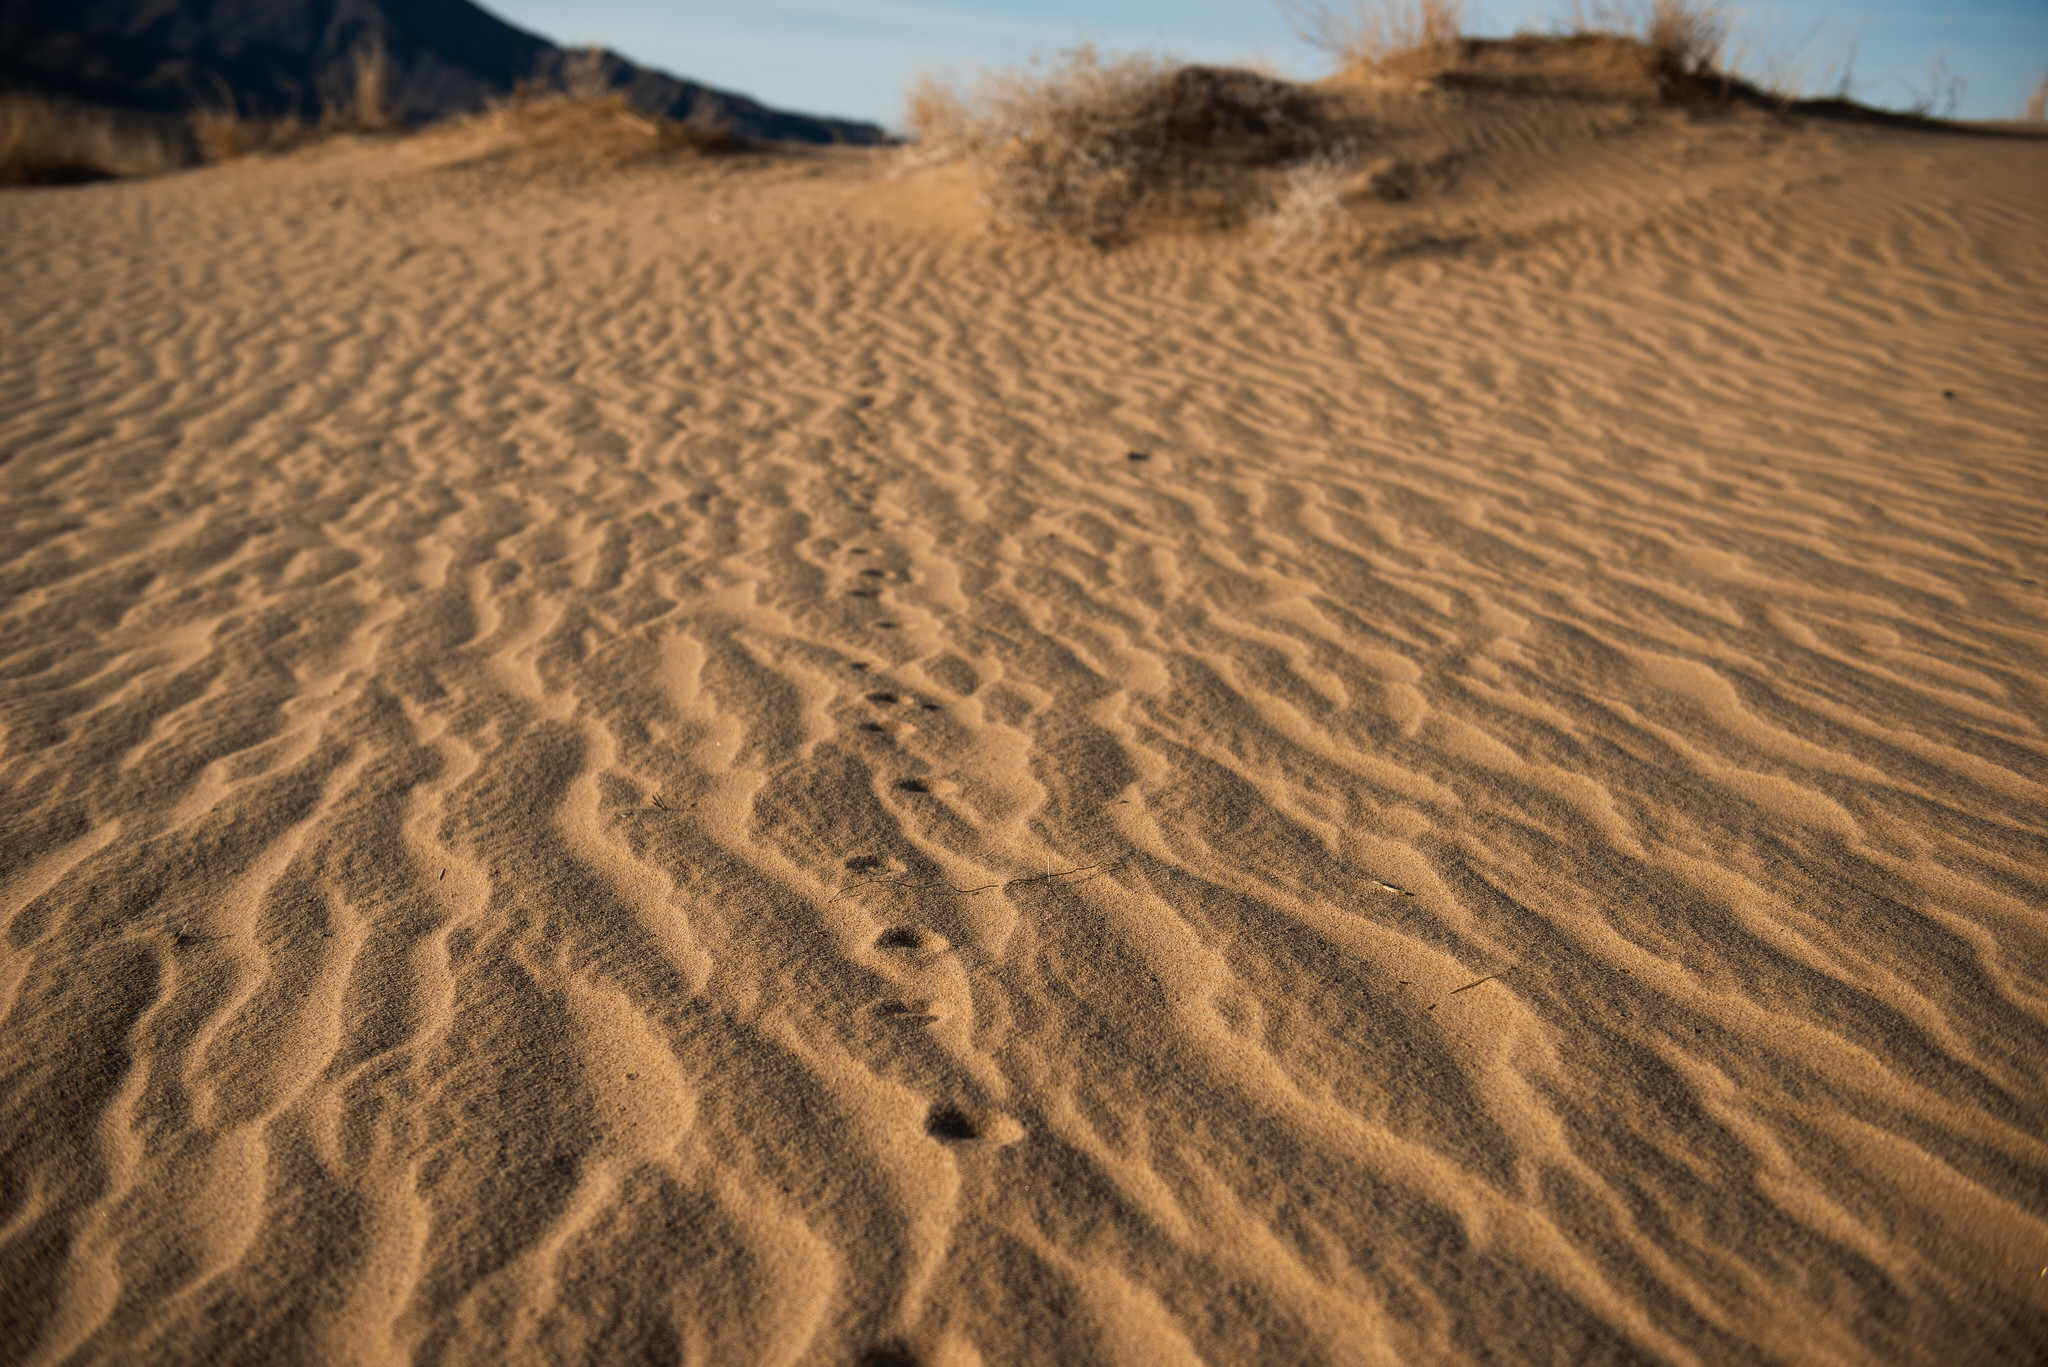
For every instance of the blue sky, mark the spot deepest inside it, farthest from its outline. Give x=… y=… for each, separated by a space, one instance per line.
x=856 y=57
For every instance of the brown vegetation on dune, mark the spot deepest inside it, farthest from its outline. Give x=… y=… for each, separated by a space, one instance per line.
x=225 y=133
x=368 y=109
x=583 y=121
x=1663 y=43
x=1368 y=32
x=1682 y=37
x=1087 y=148
x=1101 y=149
x=54 y=142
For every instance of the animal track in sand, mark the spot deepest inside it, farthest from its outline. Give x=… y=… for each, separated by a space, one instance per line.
x=951 y=1124
x=956 y=1124
x=889 y=1355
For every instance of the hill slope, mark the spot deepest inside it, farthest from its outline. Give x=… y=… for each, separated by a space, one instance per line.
x=296 y=57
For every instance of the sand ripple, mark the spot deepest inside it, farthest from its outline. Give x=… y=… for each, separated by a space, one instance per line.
x=588 y=781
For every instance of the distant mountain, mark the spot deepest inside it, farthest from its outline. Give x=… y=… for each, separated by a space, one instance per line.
x=277 y=57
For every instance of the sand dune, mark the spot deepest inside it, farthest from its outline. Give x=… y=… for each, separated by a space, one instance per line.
x=704 y=762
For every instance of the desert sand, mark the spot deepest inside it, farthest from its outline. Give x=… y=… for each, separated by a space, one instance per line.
x=700 y=760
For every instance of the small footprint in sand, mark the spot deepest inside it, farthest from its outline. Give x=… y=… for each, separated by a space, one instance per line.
x=960 y=1125
x=888 y=1355
x=908 y=1013
x=951 y=1124
x=913 y=785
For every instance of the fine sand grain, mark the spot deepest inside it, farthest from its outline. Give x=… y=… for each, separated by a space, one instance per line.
x=697 y=760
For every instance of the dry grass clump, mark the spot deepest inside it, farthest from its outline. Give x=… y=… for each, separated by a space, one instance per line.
x=2036 y=110
x=1373 y=32
x=225 y=133
x=583 y=74
x=1684 y=38
x=52 y=142
x=1086 y=147
x=368 y=109
x=1660 y=46
x=1309 y=199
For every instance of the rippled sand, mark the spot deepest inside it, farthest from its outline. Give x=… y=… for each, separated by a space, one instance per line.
x=630 y=766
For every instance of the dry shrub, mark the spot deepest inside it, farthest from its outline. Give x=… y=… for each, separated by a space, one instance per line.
x=368 y=107
x=1371 y=32
x=1685 y=38
x=52 y=142
x=1309 y=199
x=1084 y=147
x=372 y=86
x=225 y=135
x=2037 y=103
x=583 y=74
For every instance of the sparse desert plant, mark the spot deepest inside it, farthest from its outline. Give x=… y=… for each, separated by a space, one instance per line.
x=583 y=74
x=372 y=70
x=366 y=108
x=939 y=121
x=1685 y=38
x=44 y=142
x=1309 y=198
x=1945 y=87
x=1371 y=32
x=225 y=135
x=2037 y=103
x=1081 y=146
x=1689 y=37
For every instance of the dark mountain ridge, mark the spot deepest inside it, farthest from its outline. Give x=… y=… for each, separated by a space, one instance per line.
x=272 y=58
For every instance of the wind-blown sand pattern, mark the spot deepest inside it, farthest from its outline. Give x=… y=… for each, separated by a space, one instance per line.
x=631 y=766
